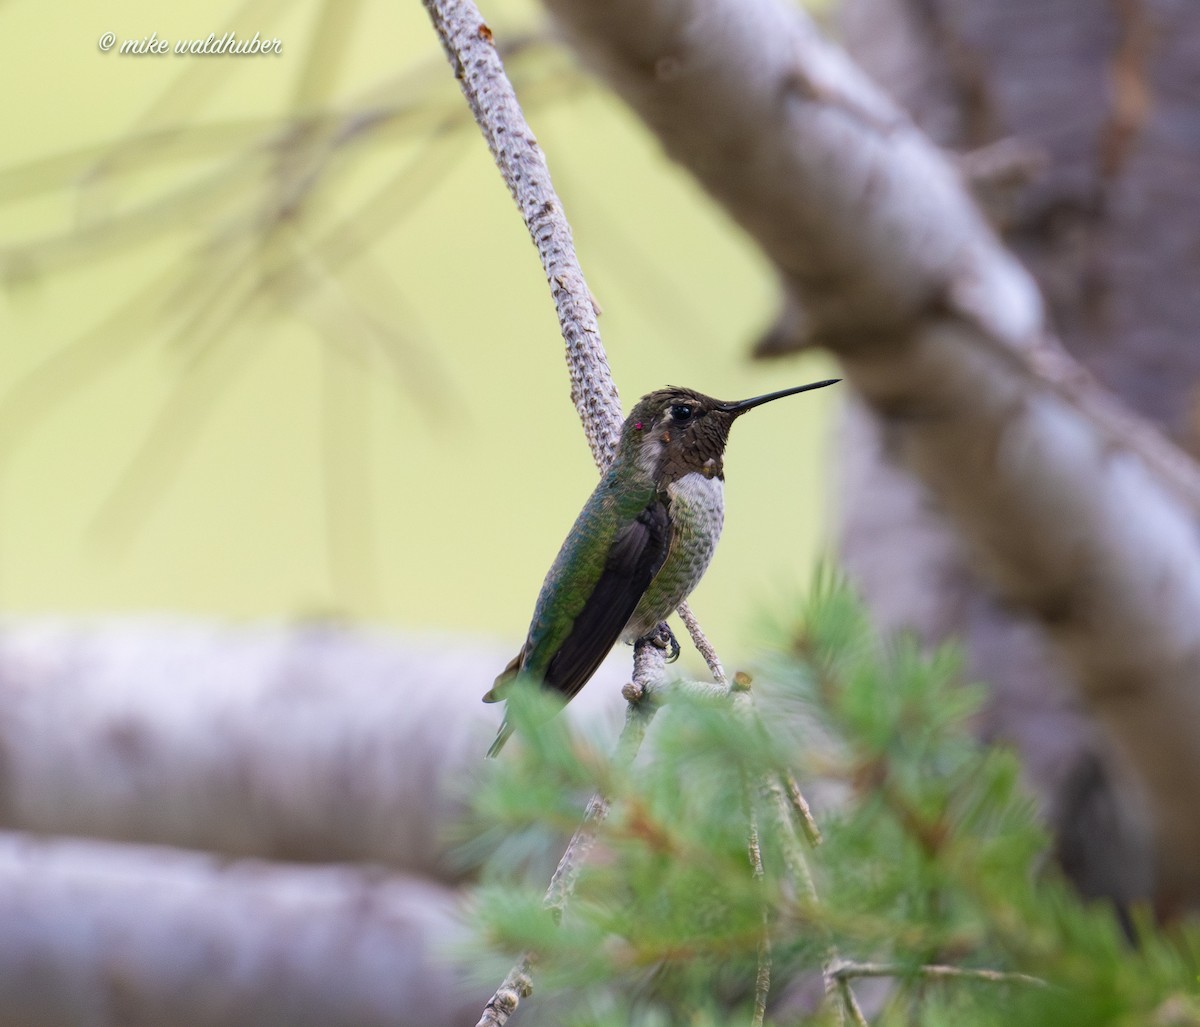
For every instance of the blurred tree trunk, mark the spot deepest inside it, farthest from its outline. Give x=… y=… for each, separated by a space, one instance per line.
x=311 y=742
x=1077 y=121
x=114 y=935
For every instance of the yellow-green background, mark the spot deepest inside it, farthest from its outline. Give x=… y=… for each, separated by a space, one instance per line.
x=312 y=484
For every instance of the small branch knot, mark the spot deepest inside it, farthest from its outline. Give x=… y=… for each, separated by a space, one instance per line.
x=507 y=1000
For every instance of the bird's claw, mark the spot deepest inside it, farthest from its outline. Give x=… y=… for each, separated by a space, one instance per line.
x=663 y=638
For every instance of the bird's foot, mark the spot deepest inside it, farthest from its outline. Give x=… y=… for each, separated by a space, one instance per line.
x=663 y=638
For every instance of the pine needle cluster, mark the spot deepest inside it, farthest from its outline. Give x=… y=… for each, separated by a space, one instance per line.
x=930 y=893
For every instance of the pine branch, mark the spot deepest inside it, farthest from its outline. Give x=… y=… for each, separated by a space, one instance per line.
x=648 y=669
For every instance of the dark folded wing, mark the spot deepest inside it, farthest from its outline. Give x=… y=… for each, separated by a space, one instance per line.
x=636 y=554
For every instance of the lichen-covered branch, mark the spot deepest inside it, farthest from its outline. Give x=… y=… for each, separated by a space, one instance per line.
x=702 y=644
x=469 y=45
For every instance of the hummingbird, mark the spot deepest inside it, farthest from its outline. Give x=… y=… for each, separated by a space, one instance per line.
x=640 y=545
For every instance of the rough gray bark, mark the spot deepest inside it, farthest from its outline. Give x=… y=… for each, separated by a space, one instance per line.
x=1076 y=514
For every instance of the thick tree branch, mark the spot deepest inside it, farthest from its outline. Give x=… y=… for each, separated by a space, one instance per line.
x=312 y=742
x=111 y=934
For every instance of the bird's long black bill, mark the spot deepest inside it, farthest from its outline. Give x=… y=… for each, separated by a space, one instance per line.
x=757 y=401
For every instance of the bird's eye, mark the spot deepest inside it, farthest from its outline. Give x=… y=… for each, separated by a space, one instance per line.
x=681 y=412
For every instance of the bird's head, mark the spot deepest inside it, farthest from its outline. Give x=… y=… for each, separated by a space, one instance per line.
x=673 y=431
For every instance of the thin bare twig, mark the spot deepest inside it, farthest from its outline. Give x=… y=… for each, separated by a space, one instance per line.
x=797 y=865
x=846 y=970
x=850 y=1003
x=801 y=808
x=649 y=667
x=702 y=644
x=762 y=979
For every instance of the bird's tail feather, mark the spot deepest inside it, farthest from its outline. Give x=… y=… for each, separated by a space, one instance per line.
x=502 y=736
